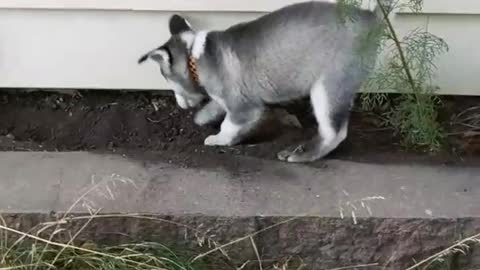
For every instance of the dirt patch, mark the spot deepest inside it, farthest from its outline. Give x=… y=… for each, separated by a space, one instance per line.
x=146 y=122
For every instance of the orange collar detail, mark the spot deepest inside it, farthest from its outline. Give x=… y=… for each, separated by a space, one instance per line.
x=193 y=70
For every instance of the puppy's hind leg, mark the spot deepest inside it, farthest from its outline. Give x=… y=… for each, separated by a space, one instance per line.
x=332 y=119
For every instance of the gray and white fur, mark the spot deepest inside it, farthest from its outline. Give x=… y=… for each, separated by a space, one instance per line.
x=302 y=50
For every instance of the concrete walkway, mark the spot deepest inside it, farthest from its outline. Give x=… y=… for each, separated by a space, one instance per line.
x=45 y=182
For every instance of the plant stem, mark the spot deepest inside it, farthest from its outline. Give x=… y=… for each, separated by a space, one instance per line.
x=398 y=45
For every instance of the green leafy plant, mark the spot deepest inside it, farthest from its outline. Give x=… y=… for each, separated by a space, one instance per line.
x=407 y=68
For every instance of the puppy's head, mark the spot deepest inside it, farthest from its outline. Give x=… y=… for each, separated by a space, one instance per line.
x=172 y=57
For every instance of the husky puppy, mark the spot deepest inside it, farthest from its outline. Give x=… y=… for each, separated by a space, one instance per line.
x=302 y=50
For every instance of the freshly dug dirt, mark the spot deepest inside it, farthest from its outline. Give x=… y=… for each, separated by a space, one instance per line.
x=138 y=123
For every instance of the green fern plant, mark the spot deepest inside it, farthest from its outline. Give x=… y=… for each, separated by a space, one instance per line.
x=407 y=69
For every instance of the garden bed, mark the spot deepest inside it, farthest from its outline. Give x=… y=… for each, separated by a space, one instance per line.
x=151 y=122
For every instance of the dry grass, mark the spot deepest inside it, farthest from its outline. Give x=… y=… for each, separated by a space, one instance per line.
x=467 y=122
x=53 y=244
x=461 y=247
x=31 y=251
x=37 y=249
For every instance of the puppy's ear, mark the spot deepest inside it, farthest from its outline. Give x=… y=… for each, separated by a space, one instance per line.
x=159 y=55
x=178 y=25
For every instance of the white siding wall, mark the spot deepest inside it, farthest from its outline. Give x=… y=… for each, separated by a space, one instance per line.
x=95 y=43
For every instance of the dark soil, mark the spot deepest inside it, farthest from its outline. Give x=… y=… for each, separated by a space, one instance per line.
x=147 y=122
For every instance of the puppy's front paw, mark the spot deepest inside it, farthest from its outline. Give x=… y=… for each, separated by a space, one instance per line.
x=216 y=140
x=211 y=140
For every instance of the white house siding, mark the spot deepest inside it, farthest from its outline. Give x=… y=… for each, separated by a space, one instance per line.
x=95 y=43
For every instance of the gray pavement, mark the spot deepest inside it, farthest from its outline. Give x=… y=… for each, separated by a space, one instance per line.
x=45 y=182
